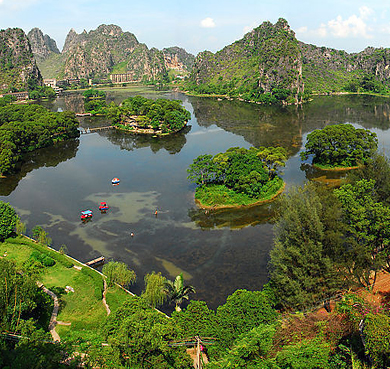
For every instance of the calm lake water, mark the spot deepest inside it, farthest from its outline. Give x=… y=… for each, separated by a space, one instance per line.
x=218 y=252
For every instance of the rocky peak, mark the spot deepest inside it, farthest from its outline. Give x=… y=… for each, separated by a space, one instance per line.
x=177 y=58
x=41 y=45
x=71 y=39
x=109 y=30
x=17 y=63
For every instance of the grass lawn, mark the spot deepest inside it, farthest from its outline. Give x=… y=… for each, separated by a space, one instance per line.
x=84 y=308
x=215 y=196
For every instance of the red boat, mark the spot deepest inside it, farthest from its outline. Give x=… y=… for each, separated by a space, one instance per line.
x=115 y=181
x=86 y=214
x=103 y=206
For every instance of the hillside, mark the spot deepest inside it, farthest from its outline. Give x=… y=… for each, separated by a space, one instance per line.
x=266 y=62
x=269 y=65
x=108 y=50
x=17 y=63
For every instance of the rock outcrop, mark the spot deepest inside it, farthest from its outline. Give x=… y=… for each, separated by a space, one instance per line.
x=177 y=58
x=41 y=45
x=17 y=63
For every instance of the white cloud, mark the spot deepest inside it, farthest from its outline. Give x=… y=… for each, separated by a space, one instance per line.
x=353 y=26
x=207 y=23
x=301 y=30
x=17 y=4
x=365 y=12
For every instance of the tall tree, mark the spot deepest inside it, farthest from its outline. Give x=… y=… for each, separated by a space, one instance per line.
x=301 y=270
x=117 y=272
x=177 y=291
x=154 y=293
x=367 y=231
x=8 y=220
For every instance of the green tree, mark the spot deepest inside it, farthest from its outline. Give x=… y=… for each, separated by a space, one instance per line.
x=376 y=333
x=243 y=311
x=308 y=354
x=301 y=271
x=202 y=170
x=41 y=236
x=117 y=272
x=249 y=350
x=8 y=220
x=138 y=337
x=378 y=169
x=340 y=145
x=367 y=231
x=154 y=293
x=177 y=291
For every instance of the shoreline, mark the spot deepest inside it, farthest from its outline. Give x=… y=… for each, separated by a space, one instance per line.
x=240 y=206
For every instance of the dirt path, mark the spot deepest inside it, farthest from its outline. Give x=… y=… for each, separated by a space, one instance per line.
x=53 y=318
x=104 y=298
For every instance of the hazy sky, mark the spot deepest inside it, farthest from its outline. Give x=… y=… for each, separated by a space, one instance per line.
x=199 y=25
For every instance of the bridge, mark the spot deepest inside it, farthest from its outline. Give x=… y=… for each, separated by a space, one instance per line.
x=96 y=262
x=85 y=131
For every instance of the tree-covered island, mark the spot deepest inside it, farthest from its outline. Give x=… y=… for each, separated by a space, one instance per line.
x=24 y=128
x=138 y=114
x=340 y=146
x=238 y=176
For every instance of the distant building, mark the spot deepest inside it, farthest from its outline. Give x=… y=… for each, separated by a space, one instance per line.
x=23 y=95
x=51 y=82
x=122 y=78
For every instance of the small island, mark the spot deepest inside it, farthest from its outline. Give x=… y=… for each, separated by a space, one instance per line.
x=138 y=114
x=340 y=147
x=238 y=177
x=25 y=128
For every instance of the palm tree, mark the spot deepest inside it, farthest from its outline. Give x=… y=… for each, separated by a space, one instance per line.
x=176 y=291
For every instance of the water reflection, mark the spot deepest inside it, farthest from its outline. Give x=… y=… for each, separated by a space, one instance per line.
x=127 y=141
x=259 y=125
x=46 y=157
x=218 y=252
x=232 y=218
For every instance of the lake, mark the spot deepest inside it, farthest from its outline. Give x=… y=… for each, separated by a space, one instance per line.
x=217 y=252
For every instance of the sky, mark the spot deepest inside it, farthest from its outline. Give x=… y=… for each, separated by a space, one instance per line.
x=198 y=25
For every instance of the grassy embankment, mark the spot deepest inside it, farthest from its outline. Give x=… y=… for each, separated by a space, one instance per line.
x=83 y=308
x=219 y=196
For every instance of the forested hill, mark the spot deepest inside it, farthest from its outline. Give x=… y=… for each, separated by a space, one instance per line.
x=269 y=64
x=17 y=63
x=98 y=53
x=266 y=61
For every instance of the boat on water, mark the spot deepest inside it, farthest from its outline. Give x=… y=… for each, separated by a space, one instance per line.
x=86 y=214
x=115 y=181
x=103 y=206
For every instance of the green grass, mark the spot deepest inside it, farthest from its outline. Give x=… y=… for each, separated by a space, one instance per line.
x=115 y=297
x=220 y=196
x=83 y=309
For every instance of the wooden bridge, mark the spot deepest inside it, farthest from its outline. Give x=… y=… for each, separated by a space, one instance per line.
x=96 y=262
x=85 y=131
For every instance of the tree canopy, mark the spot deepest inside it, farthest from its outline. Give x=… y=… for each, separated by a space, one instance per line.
x=8 y=220
x=24 y=128
x=340 y=145
x=251 y=172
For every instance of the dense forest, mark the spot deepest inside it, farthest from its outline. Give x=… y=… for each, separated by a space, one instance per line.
x=26 y=128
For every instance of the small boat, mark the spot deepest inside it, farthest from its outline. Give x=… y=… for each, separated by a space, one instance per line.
x=86 y=214
x=103 y=206
x=115 y=181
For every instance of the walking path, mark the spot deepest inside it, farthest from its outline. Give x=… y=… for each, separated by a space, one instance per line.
x=53 y=318
x=104 y=297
